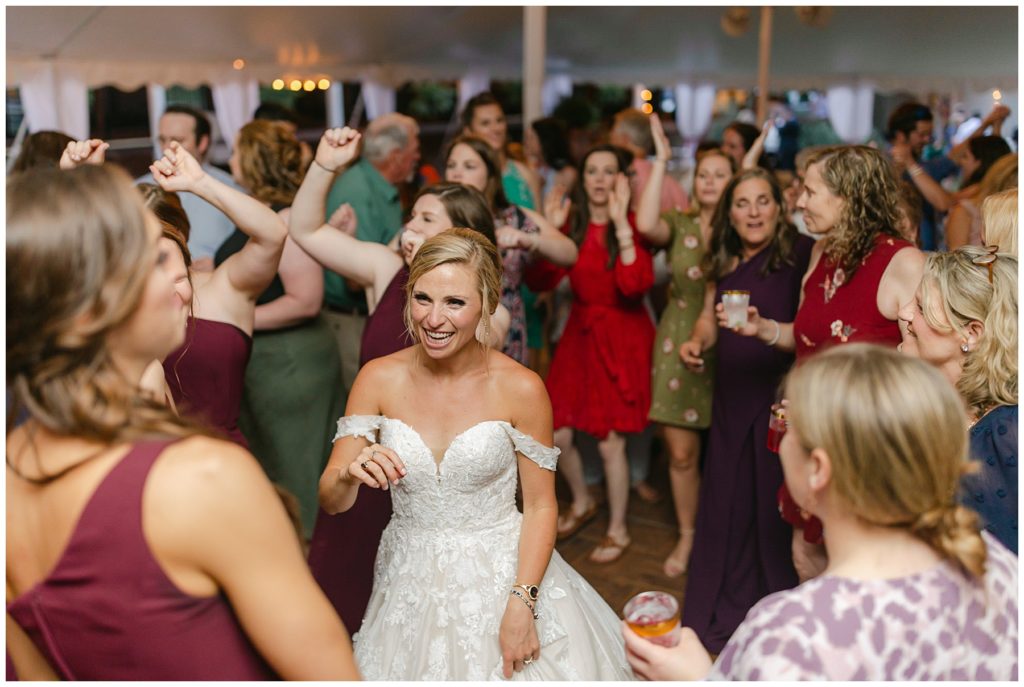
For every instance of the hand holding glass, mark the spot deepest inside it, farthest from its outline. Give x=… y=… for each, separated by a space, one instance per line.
x=654 y=616
x=735 y=304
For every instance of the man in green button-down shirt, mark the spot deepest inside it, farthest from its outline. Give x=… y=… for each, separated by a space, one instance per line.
x=391 y=151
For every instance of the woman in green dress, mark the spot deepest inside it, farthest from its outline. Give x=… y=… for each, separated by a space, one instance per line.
x=681 y=400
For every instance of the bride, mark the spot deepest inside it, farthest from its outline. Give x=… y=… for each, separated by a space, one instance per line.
x=465 y=587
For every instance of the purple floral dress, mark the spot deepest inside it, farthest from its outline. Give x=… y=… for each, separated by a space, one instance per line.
x=514 y=262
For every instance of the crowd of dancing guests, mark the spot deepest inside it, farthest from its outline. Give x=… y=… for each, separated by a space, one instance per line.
x=161 y=335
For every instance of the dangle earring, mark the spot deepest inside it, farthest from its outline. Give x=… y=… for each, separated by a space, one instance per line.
x=964 y=347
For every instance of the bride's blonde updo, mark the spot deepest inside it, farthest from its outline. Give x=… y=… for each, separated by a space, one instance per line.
x=458 y=246
x=894 y=430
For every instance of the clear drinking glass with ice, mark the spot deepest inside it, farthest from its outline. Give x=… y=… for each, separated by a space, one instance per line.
x=735 y=304
x=654 y=616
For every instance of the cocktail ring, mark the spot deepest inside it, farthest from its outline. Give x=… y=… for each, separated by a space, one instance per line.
x=364 y=464
x=527 y=661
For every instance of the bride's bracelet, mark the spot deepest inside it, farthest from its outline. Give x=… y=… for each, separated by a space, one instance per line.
x=526 y=601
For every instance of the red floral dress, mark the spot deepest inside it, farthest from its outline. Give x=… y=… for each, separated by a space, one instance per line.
x=838 y=310
x=600 y=378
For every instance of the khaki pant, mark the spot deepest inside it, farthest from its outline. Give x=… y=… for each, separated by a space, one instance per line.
x=348 y=333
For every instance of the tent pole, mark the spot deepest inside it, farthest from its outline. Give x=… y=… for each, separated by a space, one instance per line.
x=534 y=49
x=763 y=59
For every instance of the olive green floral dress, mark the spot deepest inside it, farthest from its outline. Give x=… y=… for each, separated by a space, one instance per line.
x=679 y=397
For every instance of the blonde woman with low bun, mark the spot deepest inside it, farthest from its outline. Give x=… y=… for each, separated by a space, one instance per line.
x=875 y=448
x=963 y=321
x=999 y=221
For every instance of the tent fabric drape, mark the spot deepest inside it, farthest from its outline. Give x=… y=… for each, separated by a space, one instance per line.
x=378 y=99
x=55 y=99
x=694 y=107
x=850 y=109
x=156 y=96
x=556 y=87
x=472 y=83
x=234 y=102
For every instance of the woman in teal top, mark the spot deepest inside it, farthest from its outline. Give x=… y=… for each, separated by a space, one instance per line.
x=680 y=399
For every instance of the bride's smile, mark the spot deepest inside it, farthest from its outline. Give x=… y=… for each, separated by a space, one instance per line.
x=446 y=308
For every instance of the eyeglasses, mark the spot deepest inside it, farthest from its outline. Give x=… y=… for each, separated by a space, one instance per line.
x=987 y=259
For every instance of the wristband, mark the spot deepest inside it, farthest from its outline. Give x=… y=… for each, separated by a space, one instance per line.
x=915 y=170
x=522 y=597
x=778 y=333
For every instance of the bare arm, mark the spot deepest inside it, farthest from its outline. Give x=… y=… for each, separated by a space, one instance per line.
x=900 y=281
x=958 y=227
x=993 y=119
x=705 y=332
x=250 y=270
x=303 y=291
x=618 y=204
x=550 y=243
x=235 y=533
x=648 y=212
x=518 y=633
x=757 y=147
x=361 y=261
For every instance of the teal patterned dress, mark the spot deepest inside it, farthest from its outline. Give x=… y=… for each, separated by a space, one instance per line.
x=681 y=398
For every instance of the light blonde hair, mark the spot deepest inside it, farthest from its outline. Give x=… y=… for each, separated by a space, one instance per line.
x=458 y=246
x=703 y=155
x=1002 y=175
x=999 y=217
x=893 y=429
x=960 y=290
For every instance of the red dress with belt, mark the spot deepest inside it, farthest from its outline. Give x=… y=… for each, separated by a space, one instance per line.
x=600 y=378
x=839 y=309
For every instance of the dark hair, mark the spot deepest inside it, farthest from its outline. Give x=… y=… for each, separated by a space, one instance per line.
x=554 y=144
x=276 y=112
x=466 y=207
x=987 y=149
x=725 y=241
x=494 y=193
x=202 y=123
x=748 y=132
x=485 y=98
x=166 y=205
x=904 y=119
x=41 y=149
x=579 y=218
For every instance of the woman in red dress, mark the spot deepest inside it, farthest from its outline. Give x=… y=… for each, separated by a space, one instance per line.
x=860 y=274
x=600 y=379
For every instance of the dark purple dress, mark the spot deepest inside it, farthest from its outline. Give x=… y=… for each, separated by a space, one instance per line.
x=206 y=375
x=108 y=611
x=344 y=546
x=741 y=549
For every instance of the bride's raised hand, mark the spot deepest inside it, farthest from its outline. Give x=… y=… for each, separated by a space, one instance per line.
x=376 y=467
x=517 y=637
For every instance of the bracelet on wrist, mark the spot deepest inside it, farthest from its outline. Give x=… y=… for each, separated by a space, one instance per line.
x=529 y=604
x=778 y=333
x=329 y=171
x=915 y=170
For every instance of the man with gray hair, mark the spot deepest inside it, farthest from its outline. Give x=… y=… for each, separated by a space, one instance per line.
x=391 y=151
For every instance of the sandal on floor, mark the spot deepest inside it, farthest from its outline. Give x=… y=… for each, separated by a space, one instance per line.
x=573 y=522
x=613 y=548
x=675 y=566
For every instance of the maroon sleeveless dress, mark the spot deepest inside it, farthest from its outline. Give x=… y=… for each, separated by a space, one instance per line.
x=206 y=375
x=838 y=310
x=344 y=546
x=108 y=611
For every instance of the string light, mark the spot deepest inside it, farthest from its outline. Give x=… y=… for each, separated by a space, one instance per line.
x=238 y=64
x=646 y=94
x=295 y=85
x=278 y=84
x=309 y=85
x=647 y=108
x=997 y=95
x=323 y=84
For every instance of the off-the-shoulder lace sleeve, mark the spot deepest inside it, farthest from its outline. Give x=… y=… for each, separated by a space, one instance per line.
x=544 y=456
x=365 y=426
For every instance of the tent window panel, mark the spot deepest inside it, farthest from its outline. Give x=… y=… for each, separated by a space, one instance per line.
x=15 y=114
x=114 y=113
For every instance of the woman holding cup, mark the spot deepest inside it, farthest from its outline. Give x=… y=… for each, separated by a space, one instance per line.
x=740 y=550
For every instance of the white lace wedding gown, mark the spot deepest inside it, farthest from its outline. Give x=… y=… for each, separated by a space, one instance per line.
x=448 y=559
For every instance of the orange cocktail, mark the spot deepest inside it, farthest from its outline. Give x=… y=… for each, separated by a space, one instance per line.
x=654 y=616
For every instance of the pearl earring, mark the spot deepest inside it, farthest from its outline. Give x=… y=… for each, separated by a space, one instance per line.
x=964 y=347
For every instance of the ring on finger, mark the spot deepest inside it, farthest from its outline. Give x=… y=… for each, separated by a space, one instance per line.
x=528 y=660
x=365 y=465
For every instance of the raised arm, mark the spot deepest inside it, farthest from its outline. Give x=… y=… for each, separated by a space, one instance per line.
x=928 y=187
x=250 y=270
x=90 y=152
x=648 y=212
x=235 y=534
x=550 y=243
x=361 y=261
x=993 y=119
x=757 y=147
x=303 y=282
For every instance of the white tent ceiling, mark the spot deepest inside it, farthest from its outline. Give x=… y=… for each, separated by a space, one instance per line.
x=918 y=48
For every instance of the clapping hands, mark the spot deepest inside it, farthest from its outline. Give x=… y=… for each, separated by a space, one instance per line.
x=510 y=237
x=337 y=149
x=662 y=149
x=177 y=170
x=618 y=199
x=557 y=205
x=91 y=152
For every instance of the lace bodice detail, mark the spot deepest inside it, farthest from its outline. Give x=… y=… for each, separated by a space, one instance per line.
x=473 y=485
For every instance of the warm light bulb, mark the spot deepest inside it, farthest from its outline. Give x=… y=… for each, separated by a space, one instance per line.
x=295 y=85
x=238 y=64
x=646 y=94
x=278 y=84
x=323 y=84
x=309 y=85
x=997 y=95
x=647 y=108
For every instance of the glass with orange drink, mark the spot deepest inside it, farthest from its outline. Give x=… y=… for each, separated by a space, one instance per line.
x=654 y=616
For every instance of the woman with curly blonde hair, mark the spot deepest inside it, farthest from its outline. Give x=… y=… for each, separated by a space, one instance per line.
x=963 y=320
x=292 y=392
x=860 y=273
x=875 y=447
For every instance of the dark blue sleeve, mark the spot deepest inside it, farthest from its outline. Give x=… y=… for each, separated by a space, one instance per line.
x=940 y=167
x=992 y=489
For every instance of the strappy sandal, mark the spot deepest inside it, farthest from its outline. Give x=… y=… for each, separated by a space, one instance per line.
x=614 y=548
x=569 y=523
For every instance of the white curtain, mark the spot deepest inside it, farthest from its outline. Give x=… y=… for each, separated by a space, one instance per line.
x=638 y=88
x=234 y=101
x=336 y=105
x=850 y=109
x=694 y=106
x=555 y=88
x=156 y=96
x=472 y=83
x=55 y=99
x=377 y=98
